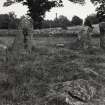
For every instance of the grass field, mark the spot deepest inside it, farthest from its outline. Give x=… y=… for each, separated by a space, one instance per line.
x=53 y=60
x=48 y=31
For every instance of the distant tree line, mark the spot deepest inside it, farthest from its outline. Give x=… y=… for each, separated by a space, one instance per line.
x=8 y=21
x=62 y=21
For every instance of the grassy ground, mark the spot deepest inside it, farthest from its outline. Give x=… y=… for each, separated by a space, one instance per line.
x=53 y=60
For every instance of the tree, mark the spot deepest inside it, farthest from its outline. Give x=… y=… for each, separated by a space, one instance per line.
x=47 y=24
x=101 y=10
x=37 y=8
x=76 y=21
x=4 y=21
x=92 y=18
x=61 y=21
x=8 y=21
x=13 y=21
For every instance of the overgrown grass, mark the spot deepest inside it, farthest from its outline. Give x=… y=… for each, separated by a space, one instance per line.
x=31 y=75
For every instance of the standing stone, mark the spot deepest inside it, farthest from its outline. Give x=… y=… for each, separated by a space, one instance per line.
x=102 y=34
x=81 y=37
x=84 y=37
x=24 y=39
x=88 y=37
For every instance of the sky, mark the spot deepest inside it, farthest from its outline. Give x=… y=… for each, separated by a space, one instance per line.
x=69 y=10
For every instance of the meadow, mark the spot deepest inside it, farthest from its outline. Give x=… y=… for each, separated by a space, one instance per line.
x=54 y=60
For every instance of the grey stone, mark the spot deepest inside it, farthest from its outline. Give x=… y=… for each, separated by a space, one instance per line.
x=77 y=92
x=23 y=39
x=80 y=90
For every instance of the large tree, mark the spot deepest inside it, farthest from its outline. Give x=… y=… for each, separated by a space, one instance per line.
x=37 y=8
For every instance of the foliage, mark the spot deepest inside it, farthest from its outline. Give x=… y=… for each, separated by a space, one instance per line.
x=37 y=9
x=13 y=21
x=78 y=1
x=101 y=11
x=92 y=18
x=8 y=21
x=4 y=19
x=62 y=21
x=76 y=21
x=83 y=1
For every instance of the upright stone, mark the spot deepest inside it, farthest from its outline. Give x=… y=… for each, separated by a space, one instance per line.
x=24 y=39
x=84 y=36
x=102 y=34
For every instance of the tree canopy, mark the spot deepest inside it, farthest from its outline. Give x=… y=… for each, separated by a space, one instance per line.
x=76 y=20
x=92 y=18
x=36 y=8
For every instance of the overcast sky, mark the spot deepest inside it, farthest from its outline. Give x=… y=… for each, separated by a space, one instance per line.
x=69 y=10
